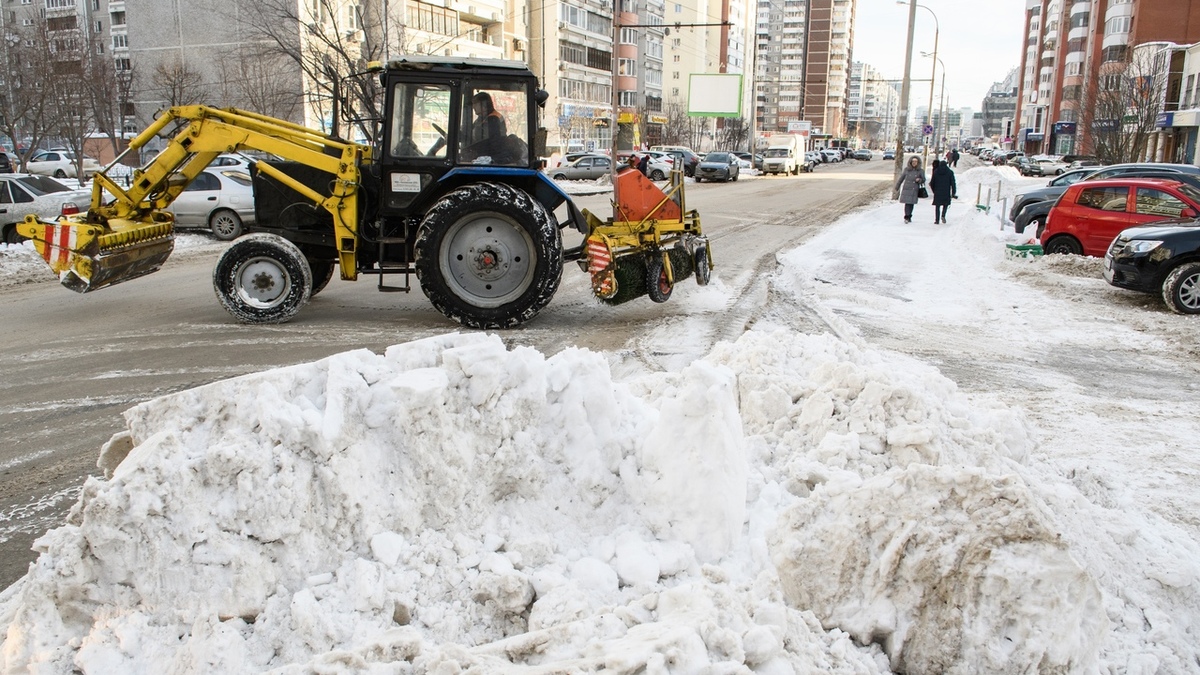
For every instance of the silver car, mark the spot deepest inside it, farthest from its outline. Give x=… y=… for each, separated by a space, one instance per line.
x=220 y=199
x=22 y=194
x=585 y=168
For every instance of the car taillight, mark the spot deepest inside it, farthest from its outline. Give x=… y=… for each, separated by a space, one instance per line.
x=68 y=209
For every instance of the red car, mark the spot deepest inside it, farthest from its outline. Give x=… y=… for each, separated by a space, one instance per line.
x=1090 y=214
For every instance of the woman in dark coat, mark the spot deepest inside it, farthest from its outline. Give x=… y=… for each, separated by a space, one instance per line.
x=908 y=185
x=944 y=188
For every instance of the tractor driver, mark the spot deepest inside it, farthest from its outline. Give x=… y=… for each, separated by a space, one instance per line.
x=489 y=133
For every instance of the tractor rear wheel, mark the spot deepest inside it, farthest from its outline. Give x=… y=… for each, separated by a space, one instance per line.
x=489 y=256
x=262 y=278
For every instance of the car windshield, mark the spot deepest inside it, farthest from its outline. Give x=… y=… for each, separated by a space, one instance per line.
x=718 y=157
x=777 y=152
x=42 y=185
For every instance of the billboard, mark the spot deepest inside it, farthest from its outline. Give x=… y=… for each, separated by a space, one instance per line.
x=715 y=95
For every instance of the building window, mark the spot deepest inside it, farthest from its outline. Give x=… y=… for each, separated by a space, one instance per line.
x=120 y=42
x=627 y=99
x=99 y=28
x=629 y=36
x=627 y=67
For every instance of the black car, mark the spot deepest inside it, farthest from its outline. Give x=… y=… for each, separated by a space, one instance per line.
x=1160 y=257
x=755 y=160
x=5 y=163
x=1034 y=215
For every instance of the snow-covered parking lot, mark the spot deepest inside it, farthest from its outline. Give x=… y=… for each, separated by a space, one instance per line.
x=984 y=465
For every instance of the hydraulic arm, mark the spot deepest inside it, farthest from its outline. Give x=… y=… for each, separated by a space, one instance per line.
x=127 y=233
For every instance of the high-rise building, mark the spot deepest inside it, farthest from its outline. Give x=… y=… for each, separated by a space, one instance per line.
x=873 y=106
x=803 y=64
x=1070 y=47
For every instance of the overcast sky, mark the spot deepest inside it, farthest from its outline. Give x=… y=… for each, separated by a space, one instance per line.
x=979 y=42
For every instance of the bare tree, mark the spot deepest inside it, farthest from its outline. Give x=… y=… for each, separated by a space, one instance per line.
x=681 y=128
x=24 y=100
x=332 y=45
x=109 y=91
x=733 y=134
x=1121 y=107
x=249 y=79
x=175 y=83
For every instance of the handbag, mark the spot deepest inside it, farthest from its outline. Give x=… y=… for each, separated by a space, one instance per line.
x=922 y=193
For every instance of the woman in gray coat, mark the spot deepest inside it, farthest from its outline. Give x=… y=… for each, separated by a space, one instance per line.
x=908 y=184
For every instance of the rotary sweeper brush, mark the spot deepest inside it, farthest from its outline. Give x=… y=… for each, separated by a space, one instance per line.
x=651 y=242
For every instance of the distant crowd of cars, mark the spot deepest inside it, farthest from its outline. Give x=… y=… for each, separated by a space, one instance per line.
x=718 y=166
x=1143 y=219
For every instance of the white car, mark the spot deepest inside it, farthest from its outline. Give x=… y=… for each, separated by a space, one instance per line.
x=220 y=199
x=660 y=164
x=831 y=155
x=22 y=194
x=60 y=164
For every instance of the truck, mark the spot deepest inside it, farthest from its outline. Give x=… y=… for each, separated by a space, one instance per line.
x=784 y=154
x=467 y=212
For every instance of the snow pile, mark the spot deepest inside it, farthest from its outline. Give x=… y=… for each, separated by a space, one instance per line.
x=21 y=264
x=451 y=502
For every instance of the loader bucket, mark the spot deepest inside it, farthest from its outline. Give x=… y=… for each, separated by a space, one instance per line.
x=87 y=257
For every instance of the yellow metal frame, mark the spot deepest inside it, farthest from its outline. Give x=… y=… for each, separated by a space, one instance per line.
x=136 y=215
x=624 y=236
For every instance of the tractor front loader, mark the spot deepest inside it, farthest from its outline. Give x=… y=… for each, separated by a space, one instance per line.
x=450 y=191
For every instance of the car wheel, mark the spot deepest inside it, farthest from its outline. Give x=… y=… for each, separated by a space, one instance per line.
x=1181 y=290
x=559 y=176
x=262 y=278
x=59 y=173
x=656 y=175
x=1064 y=245
x=735 y=176
x=225 y=225
x=698 y=179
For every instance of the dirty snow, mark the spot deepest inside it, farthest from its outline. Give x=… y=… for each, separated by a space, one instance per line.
x=791 y=503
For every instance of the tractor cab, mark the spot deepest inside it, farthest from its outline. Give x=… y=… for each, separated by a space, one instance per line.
x=448 y=120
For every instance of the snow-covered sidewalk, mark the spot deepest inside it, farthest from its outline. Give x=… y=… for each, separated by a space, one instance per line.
x=791 y=503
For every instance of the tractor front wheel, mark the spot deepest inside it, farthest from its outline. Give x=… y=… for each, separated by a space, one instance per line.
x=489 y=256
x=262 y=278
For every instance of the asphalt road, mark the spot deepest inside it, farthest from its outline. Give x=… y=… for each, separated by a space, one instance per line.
x=72 y=363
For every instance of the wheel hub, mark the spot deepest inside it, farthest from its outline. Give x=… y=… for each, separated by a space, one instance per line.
x=262 y=282
x=1189 y=292
x=491 y=260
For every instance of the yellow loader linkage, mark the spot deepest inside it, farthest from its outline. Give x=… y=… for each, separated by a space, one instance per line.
x=131 y=234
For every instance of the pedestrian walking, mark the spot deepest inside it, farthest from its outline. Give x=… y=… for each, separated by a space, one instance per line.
x=954 y=158
x=944 y=188
x=909 y=186
x=644 y=165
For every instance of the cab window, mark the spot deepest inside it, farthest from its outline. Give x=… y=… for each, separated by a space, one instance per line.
x=420 y=118
x=495 y=117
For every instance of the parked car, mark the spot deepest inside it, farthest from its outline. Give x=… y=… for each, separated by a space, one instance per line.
x=690 y=159
x=1044 y=166
x=7 y=165
x=721 y=166
x=1056 y=187
x=587 y=167
x=1161 y=257
x=660 y=164
x=220 y=200
x=60 y=164
x=831 y=155
x=1033 y=215
x=1091 y=213
x=863 y=154
x=22 y=194
x=889 y=154
x=756 y=160
x=810 y=161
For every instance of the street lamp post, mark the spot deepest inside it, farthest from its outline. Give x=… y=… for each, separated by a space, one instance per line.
x=936 y=31
x=942 y=104
x=904 y=88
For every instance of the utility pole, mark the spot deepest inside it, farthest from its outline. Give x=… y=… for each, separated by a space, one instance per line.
x=904 y=89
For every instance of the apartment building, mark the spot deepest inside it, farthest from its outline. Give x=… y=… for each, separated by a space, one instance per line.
x=1070 y=48
x=803 y=52
x=873 y=106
